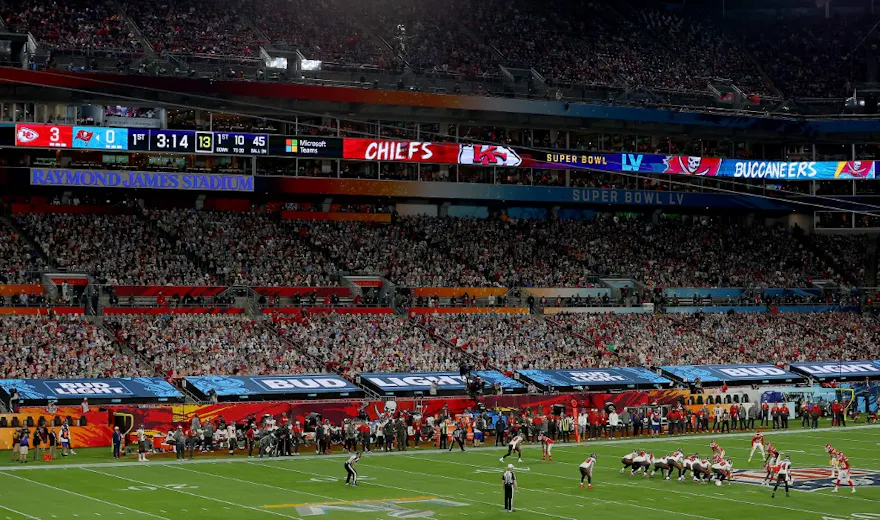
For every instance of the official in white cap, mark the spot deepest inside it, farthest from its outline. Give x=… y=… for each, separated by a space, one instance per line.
x=509 y=482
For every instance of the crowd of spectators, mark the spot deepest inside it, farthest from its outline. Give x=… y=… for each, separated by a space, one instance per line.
x=848 y=252
x=406 y=251
x=191 y=27
x=250 y=248
x=510 y=341
x=65 y=346
x=581 y=43
x=351 y=343
x=18 y=261
x=116 y=249
x=70 y=24
x=208 y=344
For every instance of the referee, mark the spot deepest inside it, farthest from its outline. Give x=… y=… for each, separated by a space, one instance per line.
x=509 y=481
x=352 y=477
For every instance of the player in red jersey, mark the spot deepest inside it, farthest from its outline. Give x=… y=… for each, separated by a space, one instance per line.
x=757 y=444
x=717 y=450
x=835 y=462
x=546 y=447
x=770 y=462
x=843 y=472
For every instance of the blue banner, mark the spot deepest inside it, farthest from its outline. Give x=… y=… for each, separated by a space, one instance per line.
x=130 y=388
x=730 y=373
x=141 y=180
x=226 y=386
x=100 y=138
x=618 y=377
x=446 y=381
x=841 y=370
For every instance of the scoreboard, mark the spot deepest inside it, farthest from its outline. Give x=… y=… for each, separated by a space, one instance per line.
x=169 y=141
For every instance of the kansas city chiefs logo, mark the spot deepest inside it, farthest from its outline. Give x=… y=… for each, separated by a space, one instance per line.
x=26 y=135
x=488 y=155
x=809 y=479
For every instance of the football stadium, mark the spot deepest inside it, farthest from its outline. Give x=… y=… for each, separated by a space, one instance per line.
x=401 y=259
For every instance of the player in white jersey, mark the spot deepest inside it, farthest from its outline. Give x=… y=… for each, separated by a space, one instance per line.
x=660 y=464
x=783 y=475
x=701 y=468
x=722 y=469
x=642 y=463
x=586 y=468
x=758 y=444
x=688 y=465
x=352 y=477
x=627 y=460
x=513 y=446
x=674 y=461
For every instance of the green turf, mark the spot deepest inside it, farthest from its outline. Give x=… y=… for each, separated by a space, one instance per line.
x=423 y=483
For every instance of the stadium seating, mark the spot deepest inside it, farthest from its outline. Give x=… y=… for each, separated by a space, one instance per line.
x=583 y=43
x=117 y=249
x=18 y=260
x=204 y=344
x=40 y=346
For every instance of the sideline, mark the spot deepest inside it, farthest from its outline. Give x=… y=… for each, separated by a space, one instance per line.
x=239 y=459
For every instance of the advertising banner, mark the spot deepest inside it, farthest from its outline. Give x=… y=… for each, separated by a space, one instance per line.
x=274 y=387
x=113 y=390
x=401 y=151
x=447 y=382
x=839 y=370
x=761 y=372
x=142 y=180
x=594 y=378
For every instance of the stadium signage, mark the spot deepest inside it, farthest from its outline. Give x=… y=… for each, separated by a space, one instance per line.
x=301 y=383
x=637 y=198
x=142 y=180
x=83 y=388
x=122 y=389
x=33 y=135
x=839 y=370
x=730 y=373
x=445 y=381
x=243 y=387
x=628 y=377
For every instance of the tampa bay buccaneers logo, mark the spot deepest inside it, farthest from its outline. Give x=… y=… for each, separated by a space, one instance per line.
x=691 y=165
x=855 y=169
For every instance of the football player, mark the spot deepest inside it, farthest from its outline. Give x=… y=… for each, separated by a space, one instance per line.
x=843 y=473
x=661 y=464
x=770 y=463
x=642 y=463
x=513 y=446
x=783 y=475
x=835 y=462
x=717 y=451
x=722 y=469
x=586 y=468
x=627 y=460
x=700 y=468
x=546 y=447
x=757 y=444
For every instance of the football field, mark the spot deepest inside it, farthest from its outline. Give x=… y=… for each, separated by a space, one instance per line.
x=428 y=483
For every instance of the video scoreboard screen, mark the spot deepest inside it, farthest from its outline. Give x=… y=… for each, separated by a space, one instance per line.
x=174 y=141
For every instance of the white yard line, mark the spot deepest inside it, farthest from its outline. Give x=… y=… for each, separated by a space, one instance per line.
x=18 y=512
x=420 y=492
x=74 y=493
x=220 y=500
